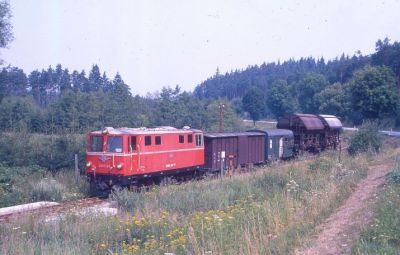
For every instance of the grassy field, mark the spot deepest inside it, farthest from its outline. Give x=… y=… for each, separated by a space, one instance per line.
x=24 y=184
x=269 y=211
x=383 y=234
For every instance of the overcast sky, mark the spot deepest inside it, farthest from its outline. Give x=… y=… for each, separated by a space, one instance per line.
x=169 y=42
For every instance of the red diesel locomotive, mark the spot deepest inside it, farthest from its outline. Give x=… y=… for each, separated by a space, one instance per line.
x=125 y=156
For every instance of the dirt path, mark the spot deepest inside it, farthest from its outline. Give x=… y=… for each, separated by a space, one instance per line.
x=337 y=234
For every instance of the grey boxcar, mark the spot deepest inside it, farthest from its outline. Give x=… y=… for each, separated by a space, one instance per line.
x=239 y=148
x=278 y=143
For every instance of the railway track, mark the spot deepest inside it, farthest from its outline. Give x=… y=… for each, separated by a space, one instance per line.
x=63 y=207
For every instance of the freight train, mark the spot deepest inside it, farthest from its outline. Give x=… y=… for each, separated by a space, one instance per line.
x=127 y=157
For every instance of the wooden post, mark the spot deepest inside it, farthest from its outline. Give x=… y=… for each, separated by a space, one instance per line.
x=77 y=173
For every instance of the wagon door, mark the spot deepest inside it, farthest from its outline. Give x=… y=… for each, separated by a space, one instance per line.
x=133 y=165
x=280 y=147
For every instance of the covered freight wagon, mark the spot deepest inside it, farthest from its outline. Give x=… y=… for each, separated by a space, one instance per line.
x=308 y=131
x=238 y=149
x=333 y=127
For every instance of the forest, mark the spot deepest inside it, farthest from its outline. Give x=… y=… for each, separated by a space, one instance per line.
x=55 y=100
x=354 y=88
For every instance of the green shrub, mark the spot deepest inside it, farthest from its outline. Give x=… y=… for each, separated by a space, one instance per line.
x=394 y=176
x=367 y=139
x=13 y=183
x=52 y=152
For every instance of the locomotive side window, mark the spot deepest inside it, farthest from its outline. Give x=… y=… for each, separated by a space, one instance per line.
x=147 y=140
x=96 y=143
x=158 y=140
x=133 y=143
x=181 y=138
x=114 y=144
x=199 y=140
x=190 y=138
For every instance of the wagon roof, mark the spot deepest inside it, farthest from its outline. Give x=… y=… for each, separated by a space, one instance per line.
x=221 y=135
x=275 y=132
x=309 y=121
x=144 y=130
x=331 y=121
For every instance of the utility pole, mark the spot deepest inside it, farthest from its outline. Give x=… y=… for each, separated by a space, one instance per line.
x=221 y=117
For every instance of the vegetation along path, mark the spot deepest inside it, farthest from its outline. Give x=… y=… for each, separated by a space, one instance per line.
x=337 y=234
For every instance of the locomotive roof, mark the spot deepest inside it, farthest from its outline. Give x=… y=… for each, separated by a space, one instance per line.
x=220 y=135
x=331 y=121
x=274 y=132
x=144 y=130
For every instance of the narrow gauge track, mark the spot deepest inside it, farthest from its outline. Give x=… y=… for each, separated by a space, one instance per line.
x=62 y=207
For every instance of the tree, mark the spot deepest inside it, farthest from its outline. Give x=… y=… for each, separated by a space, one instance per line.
x=6 y=35
x=333 y=100
x=95 y=81
x=254 y=103
x=230 y=121
x=34 y=82
x=307 y=88
x=106 y=83
x=13 y=81
x=167 y=112
x=65 y=81
x=373 y=92
x=389 y=55
x=280 y=99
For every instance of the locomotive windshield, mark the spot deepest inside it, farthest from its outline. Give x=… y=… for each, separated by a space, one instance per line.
x=114 y=144
x=96 y=143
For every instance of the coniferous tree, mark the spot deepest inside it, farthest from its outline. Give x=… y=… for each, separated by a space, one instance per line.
x=94 y=81
x=65 y=81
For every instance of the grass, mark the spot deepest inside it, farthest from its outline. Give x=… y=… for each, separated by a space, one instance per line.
x=270 y=211
x=28 y=184
x=383 y=234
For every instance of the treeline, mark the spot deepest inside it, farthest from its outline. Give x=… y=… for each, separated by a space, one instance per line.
x=354 y=88
x=55 y=101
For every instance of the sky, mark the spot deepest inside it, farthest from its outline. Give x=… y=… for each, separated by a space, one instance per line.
x=156 y=43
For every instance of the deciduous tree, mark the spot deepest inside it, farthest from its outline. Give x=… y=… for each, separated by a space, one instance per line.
x=254 y=103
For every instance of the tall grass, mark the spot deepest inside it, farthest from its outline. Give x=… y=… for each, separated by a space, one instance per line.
x=28 y=184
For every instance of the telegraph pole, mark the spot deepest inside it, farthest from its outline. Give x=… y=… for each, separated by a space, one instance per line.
x=221 y=117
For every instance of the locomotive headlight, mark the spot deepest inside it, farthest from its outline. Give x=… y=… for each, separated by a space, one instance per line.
x=119 y=166
x=88 y=164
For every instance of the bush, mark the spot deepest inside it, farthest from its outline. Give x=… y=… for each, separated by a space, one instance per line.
x=52 y=152
x=13 y=183
x=367 y=139
x=394 y=176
